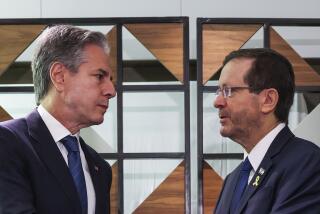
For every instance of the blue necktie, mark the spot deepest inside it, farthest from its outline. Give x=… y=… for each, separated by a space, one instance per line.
x=75 y=168
x=241 y=184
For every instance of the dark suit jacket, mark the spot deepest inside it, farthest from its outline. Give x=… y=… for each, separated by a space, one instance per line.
x=290 y=182
x=34 y=177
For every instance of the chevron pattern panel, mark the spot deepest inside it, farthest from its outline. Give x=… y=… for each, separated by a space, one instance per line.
x=112 y=41
x=304 y=74
x=212 y=184
x=14 y=39
x=4 y=115
x=164 y=41
x=114 y=190
x=168 y=197
x=219 y=40
x=308 y=128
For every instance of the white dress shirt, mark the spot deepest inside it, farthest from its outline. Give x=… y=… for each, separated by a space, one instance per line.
x=259 y=151
x=58 y=132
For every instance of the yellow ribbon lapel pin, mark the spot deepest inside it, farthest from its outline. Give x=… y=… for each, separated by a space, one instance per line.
x=256 y=182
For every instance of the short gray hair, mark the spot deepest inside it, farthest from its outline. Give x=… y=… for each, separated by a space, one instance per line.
x=64 y=44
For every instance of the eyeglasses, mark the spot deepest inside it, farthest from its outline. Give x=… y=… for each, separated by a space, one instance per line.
x=228 y=90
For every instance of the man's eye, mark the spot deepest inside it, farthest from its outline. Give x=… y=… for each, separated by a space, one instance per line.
x=99 y=76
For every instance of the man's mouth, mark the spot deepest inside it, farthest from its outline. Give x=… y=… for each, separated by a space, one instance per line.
x=223 y=117
x=104 y=106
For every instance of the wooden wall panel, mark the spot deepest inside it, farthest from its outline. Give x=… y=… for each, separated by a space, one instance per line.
x=114 y=190
x=4 y=115
x=168 y=197
x=112 y=41
x=164 y=41
x=14 y=39
x=219 y=40
x=212 y=185
x=304 y=73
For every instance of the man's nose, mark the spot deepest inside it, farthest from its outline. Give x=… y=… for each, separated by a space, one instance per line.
x=220 y=101
x=110 y=90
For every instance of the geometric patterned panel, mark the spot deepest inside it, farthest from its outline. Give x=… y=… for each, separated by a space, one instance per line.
x=95 y=140
x=164 y=41
x=168 y=197
x=14 y=39
x=212 y=185
x=304 y=73
x=114 y=190
x=219 y=40
x=4 y=115
x=112 y=42
x=309 y=127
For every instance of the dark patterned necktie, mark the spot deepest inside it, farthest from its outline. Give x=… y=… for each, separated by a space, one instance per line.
x=75 y=168
x=241 y=184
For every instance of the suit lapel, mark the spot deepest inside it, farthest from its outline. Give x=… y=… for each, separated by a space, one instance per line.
x=230 y=189
x=50 y=155
x=255 y=182
x=265 y=166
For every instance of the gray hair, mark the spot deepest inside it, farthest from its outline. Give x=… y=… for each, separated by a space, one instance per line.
x=64 y=44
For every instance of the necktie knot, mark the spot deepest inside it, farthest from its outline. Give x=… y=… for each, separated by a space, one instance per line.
x=71 y=143
x=246 y=165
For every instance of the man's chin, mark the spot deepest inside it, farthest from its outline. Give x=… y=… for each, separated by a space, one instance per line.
x=224 y=132
x=98 y=121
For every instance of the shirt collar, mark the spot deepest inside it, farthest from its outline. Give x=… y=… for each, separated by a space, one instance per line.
x=259 y=151
x=56 y=129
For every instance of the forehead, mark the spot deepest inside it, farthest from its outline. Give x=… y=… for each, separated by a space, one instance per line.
x=234 y=71
x=93 y=51
x=96 y=57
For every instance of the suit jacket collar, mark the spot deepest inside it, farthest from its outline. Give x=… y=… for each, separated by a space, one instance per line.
x=265 y=167
x=49 y=154
x=233 y=179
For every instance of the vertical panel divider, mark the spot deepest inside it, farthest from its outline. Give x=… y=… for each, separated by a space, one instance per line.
x=120 y=119
x=200 y=114
x=266 y=35
x=186 y=81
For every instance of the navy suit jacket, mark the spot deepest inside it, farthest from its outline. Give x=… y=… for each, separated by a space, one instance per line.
x=34 y=177
x=287 y=180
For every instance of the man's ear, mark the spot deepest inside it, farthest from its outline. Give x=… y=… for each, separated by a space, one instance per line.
x=57 y=75
x=269 y=100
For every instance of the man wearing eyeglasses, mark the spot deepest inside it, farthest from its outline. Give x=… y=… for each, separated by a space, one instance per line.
x=280 y=172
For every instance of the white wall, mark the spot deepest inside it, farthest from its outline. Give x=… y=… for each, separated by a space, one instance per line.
x=192 y=8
